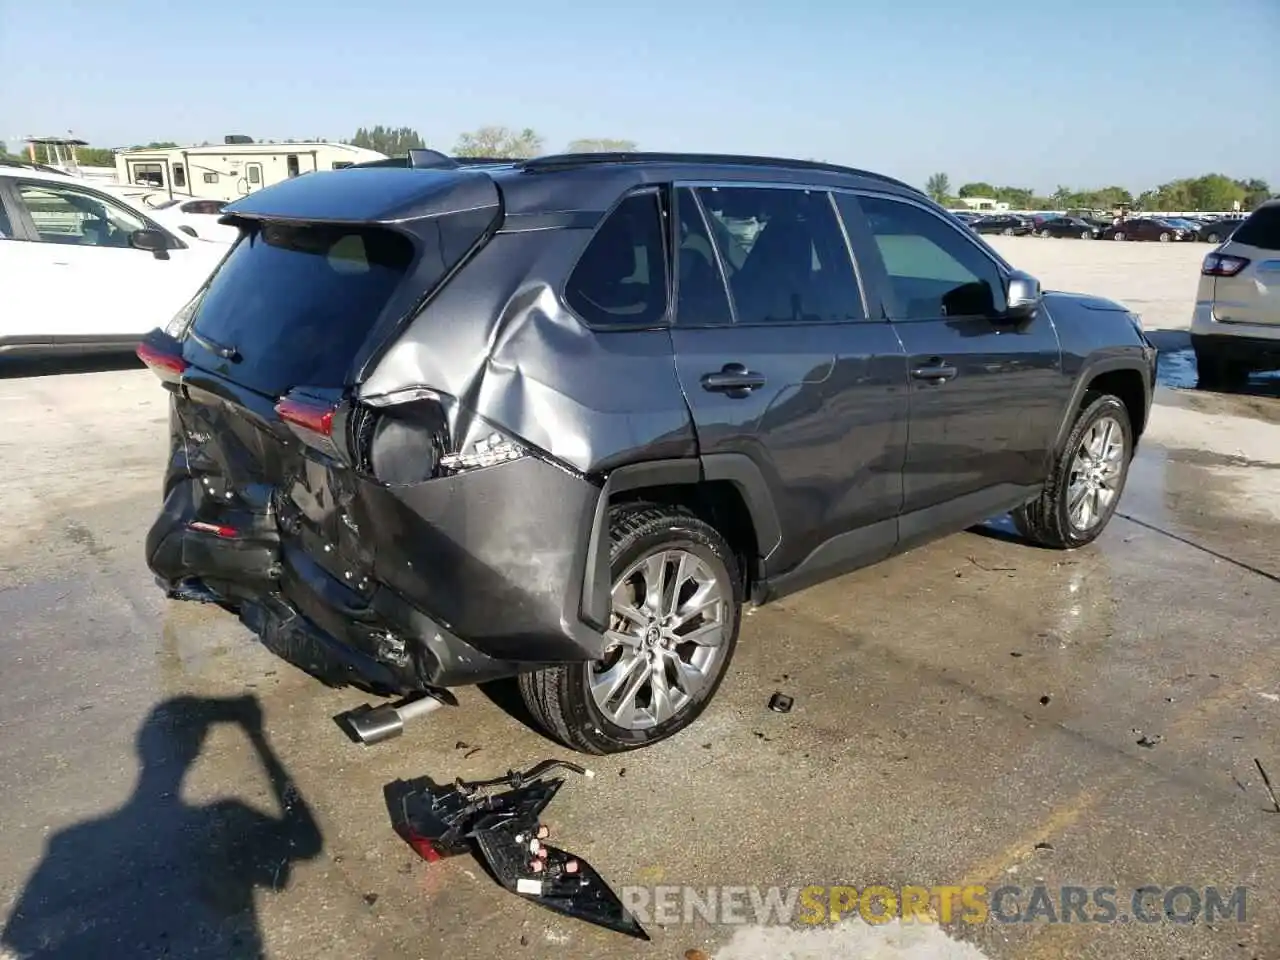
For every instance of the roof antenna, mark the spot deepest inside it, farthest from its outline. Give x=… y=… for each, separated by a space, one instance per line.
x=424 y=159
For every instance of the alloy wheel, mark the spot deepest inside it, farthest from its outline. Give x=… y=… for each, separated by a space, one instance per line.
x=1096 y=472
x=671 y=619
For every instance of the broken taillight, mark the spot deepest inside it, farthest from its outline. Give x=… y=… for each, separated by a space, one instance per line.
x=1223 y=265
x=217 y=529
x=423 y=846
x=311 y=420
x=168 y=365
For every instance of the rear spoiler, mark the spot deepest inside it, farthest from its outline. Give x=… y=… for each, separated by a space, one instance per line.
x=424 y=159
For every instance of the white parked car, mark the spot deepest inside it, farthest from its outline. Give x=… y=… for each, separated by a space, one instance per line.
x=83 y=270
x=194 y=216
x=1235 y=329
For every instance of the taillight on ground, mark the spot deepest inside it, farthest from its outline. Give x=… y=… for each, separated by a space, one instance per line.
x=423 y=846
x=1223 y=265
x=165 y=364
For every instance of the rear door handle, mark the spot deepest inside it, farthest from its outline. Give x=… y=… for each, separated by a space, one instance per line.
x=935 y=373
x=733 y=379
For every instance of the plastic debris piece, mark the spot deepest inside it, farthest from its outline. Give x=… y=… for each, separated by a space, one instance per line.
x=502 y=828
x=780 y=703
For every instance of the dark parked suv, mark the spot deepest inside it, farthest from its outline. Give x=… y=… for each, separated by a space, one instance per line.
x=562 y=418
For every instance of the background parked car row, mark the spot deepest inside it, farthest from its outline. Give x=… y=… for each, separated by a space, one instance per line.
x=1164 y=229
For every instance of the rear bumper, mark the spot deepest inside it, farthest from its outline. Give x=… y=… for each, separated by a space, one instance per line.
x=473 y=577
x=1259 y=353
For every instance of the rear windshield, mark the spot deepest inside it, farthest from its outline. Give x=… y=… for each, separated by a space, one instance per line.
x=1261 y=230
x=293 y=303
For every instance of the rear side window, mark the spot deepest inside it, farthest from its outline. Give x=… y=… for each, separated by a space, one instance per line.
x=621 y=277
x=1261 y=229
x=295 y=303
x=784 y=253
x=701 y=299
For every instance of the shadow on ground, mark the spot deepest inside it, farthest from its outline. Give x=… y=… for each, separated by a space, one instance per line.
x=161 y=877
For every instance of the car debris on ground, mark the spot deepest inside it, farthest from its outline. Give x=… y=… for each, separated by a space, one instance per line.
x=502 y=828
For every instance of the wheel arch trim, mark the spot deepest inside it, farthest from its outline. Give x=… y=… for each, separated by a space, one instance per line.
x=1088 y=373
x=735 y=468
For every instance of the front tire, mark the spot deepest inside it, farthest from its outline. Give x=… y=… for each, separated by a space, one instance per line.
x=1165 y=238
x=1086 y=481
x=1007 y=231
x=676 y=608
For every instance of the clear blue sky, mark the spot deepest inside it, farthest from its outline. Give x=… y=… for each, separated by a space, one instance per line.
x=1020 y=92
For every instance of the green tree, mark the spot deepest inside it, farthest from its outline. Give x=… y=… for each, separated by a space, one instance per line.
x=1255 y=192
x=392 y=141
x=978 y=189
x=497 y=141
x=601 y=145
x=939 y=187
x=1017 y=197
x=1063 y=197
x=96 y=157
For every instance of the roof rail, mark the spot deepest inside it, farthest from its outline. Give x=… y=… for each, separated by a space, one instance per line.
x=424 y=159
x=570 y=161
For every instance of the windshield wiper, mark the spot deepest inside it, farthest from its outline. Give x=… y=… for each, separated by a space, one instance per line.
x=225 y=353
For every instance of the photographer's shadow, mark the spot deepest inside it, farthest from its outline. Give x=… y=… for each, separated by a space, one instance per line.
x=159 y=877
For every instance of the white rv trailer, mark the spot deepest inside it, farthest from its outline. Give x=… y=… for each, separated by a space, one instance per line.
x=229 y=171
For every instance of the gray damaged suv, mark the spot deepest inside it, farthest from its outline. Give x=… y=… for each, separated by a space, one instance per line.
x=560 y=419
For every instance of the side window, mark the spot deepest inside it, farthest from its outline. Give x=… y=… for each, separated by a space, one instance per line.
x=701 y=298
x=339 y=164
x=179 y=175
x=621 y=277
x=149 y=174
x=934 y=270
x=255 y=173
x=210 y=178
x=291 y=164
x=784 y=253
x=203 y=206
x=67 y=215
x=6 y=228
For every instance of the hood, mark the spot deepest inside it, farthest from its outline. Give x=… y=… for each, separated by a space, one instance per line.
x=1086 y=300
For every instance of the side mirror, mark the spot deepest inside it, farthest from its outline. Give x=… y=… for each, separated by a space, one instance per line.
x=1022 y=296
x=152 y=240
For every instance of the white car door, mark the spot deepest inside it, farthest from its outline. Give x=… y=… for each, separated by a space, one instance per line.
x=93 y=282
x=24 y=281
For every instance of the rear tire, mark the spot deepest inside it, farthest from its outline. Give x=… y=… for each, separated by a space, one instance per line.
x=1118 y=235
x=1216 y=372
x=663 y=683
x=1094 y=459
x=1213 y=238
x=1007 y=231
x=1165 y=238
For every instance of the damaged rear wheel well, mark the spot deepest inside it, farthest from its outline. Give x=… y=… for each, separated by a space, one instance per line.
x=717 y=502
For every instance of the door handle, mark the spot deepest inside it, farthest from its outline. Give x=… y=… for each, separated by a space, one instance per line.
x=935 y=373
x=733 y=379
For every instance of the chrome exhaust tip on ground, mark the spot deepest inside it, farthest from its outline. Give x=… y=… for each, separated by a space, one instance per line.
x=370 y=725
